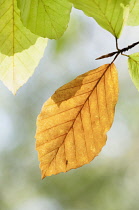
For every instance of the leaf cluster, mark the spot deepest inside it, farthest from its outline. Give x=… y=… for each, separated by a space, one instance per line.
x=72 y=126
x=26 y=25
x=71 y=129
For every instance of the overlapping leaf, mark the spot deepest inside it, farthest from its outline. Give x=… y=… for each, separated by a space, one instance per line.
x=72 y=126
x=20 y=50
x=133 y=64
x=133 y=19
x=45 y=18
x=109 y=14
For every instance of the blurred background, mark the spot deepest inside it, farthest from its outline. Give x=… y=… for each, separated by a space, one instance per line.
x=111 y=180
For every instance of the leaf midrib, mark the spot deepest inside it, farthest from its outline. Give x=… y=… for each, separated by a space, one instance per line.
x=78 y=114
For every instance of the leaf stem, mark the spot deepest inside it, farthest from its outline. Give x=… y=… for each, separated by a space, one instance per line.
x=117 y=44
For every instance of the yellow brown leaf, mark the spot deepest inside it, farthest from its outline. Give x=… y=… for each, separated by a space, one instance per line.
x=72 y=126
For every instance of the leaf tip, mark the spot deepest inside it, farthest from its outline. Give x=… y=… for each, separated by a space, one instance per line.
x=43 y=173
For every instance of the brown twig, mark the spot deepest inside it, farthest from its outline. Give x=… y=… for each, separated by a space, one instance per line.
x=119 y=51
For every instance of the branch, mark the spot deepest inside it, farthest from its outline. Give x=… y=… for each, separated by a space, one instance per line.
x=119 y=51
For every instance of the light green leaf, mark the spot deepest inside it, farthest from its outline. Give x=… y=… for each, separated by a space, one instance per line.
x=14 y=37
x=133 y=65
x=20 y=50
x=109 y=14
x=133 y=19
x=46 y=18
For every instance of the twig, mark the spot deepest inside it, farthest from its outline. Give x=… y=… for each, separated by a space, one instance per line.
x=119 y=51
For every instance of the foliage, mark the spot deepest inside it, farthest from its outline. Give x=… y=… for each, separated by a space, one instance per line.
x=133 y=19
x=26 y=29
x=133 y=63
x=45 y=18
x=49 y=19
x=110 y=15
x=20 y=50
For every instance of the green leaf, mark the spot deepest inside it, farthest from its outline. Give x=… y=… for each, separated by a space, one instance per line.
x=133 y=65
x=20 y=50
x=109 y=14
x=14 y=37
x=46 y=18
x=133 y=19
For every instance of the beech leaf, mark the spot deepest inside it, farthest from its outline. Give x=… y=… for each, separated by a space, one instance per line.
x=20 y=50
x=72 y=125
x=133 y=65
x=109 y=14
x=45 y=18
x=133 y=19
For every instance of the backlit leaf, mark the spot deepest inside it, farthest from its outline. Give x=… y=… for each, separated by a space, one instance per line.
x=133 y=19
x=45 y=18
x=109 y=14
x=72 y=126
x=20 y=50
x=133 y=65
